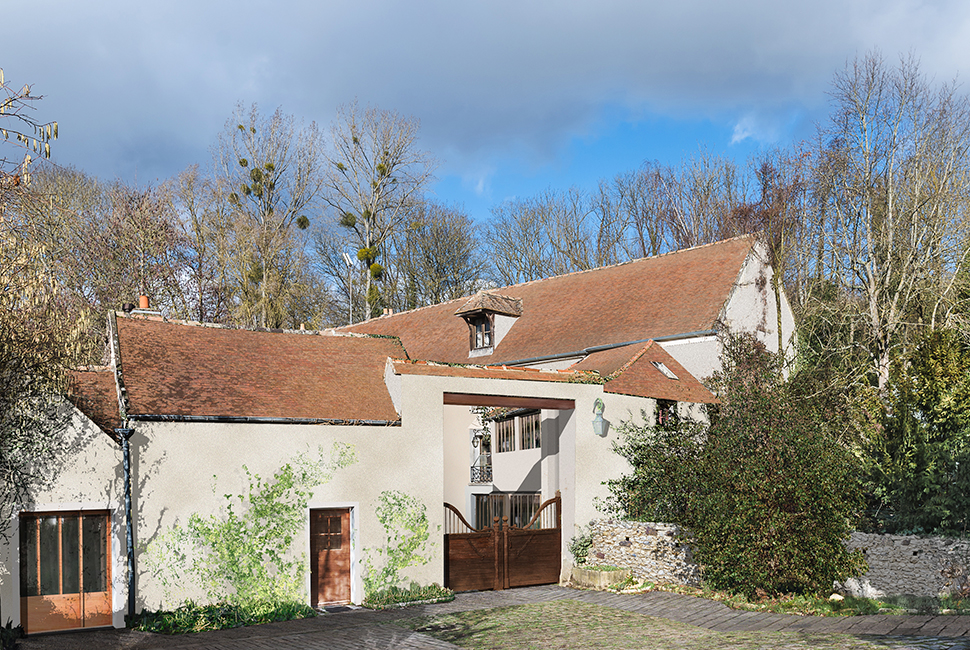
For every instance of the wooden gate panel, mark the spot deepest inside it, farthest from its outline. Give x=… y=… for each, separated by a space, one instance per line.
x=533 y=557
x=470 y=561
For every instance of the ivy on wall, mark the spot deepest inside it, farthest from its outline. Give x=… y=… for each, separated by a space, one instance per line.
x=406 y=532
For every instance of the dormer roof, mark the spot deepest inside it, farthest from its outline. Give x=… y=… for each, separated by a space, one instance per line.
x=488 y=301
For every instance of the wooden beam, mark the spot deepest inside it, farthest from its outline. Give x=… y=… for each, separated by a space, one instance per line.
x=469 y=399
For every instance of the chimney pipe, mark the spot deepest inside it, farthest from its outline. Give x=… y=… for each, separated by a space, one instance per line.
x=142 y=302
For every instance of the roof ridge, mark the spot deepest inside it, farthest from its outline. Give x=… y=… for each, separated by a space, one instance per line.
x=327 y=331
x=633 y=261
x=626 y=366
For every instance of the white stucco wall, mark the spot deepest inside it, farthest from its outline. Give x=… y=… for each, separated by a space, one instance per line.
x=751 y=306
x=457 y=454
x=90 y=478
x=595 y=460
x=182 y=469
x=701 y=355
x=517 y=471
x=185 y=468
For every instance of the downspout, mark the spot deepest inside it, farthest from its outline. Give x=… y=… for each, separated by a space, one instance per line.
x=124 y=435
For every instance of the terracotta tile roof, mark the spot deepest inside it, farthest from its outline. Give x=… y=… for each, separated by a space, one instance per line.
x=640 y=377
x=407 y=367
x=670 y=294
x=203 y=371
x=94 y=393
x=606 y=362
x=490 y=301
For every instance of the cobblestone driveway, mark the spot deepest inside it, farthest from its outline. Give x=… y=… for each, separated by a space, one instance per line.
x=370 y=629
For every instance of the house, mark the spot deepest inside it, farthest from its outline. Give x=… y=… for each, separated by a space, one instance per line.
x=493 y=404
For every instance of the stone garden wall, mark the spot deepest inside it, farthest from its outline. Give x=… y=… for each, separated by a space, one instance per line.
x=910 y=564
x=653 y=552
x=898 y=564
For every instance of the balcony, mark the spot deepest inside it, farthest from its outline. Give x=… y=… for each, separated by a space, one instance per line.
x=481 y=471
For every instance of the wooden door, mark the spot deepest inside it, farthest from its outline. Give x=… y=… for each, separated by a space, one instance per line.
x=65 y=572
x=329 y=557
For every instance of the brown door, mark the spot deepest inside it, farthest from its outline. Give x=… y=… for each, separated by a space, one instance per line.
x=65 y=574
x=329 y=557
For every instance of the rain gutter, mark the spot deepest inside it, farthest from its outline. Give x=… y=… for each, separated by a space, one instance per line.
x=261 y=420
x=608 y=346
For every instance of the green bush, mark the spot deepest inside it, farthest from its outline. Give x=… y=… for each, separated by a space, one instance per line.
x=768 y=494
x=579 y=546
x=190 y=617
x=9 y=635
x=394 y=596
x=920 y=474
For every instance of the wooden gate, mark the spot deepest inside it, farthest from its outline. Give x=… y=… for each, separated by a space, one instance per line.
x=503 y=556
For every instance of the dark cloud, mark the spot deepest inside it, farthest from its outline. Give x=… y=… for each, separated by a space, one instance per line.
x=143 y=88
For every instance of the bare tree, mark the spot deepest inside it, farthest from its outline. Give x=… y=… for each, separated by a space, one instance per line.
x=895 y=179
x=699 y=199
x=777 y=218
x=557 y=232
x=438 y=257
x=646 y=206
x=518 y=242
x=204 y=221
x=376 y=175
x=272 y=167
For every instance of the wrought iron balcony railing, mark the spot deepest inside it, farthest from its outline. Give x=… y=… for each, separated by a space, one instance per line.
x=481 y=473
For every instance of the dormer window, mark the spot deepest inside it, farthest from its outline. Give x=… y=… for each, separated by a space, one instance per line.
x=489 y=316
x=482 y=331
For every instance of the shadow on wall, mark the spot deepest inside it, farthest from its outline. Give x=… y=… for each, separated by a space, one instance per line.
x=141 y=484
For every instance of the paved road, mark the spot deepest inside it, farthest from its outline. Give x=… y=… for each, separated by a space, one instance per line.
x=375 y=629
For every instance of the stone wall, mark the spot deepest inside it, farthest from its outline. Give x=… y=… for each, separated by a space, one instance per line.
x=654 y=552
x=898 y=564
x=910 y=564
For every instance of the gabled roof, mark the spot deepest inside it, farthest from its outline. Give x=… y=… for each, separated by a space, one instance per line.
x=627 y=370
x=667 y=295
x=640 y=375
x=95 y=394
x=184 y=370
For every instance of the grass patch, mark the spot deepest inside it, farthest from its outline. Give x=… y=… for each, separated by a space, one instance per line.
x=190 y=617
x=572 y=624
x=930 y=604
x=399 y=596
x=793 y=604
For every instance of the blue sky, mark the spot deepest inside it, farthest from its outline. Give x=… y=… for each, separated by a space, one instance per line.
x=513 y=96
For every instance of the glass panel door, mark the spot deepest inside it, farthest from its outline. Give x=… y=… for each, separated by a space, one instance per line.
x=64 y=571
